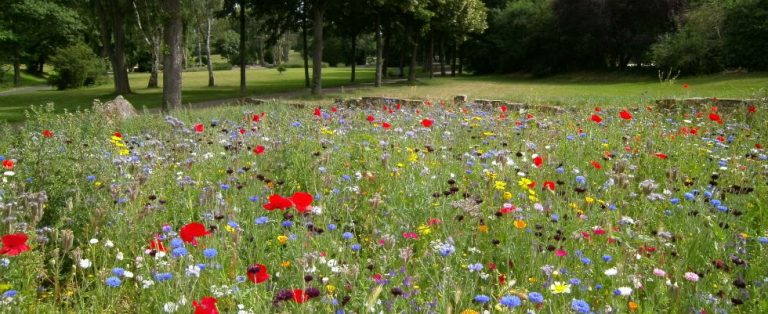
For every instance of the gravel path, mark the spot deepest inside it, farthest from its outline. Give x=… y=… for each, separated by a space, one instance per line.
x=26 y=90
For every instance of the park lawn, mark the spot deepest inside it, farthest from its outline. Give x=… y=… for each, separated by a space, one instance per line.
x=26 y=80
x=260 y=81
x=575 y=89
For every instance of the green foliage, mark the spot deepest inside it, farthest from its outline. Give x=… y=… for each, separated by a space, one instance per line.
x=76 y=66
x=745 y=28
x=697 y=46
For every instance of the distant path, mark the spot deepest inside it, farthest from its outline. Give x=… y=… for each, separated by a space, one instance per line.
x=25 y=90
x=281 y=95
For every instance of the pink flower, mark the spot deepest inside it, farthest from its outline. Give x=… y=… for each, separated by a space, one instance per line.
x=561 y=253
x=693 y=277
x=659 y=272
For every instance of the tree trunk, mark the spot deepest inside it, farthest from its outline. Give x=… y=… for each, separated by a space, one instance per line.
x=401 y=66
x=379 y=53
x=442 y=58
x=385 y=61
x=412 y=69
x=119 y=69
x=172 y=64
x=317 y=41
x=211 y=78
x=16 y=69
x=242 y=47
x=305 y=50
x=453 y=59
x=354 y=57
x=260 y=44
x=156 y=51
x=431 y=56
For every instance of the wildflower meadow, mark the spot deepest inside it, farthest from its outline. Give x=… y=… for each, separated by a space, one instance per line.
x=435 y=208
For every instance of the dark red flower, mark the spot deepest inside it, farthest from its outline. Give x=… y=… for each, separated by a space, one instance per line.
x=199 y=128
x=302 y=201
x=157 y=245
x=191 y=231
x=14 y=244
x=597 y=109
x=207 y=305
x=277 y=202
x=427 y=123
x=8 y=164
x=257 y=273
x=685 y=85
x=370 y=118
x=503 y=108
x=715 y=117
x=596 y=118
x=752 y=109
x=625 y=115
x=47 y=133
x=537 y=160
x=258 y=150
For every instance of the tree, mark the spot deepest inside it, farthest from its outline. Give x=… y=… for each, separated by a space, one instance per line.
x=238 y=8
x=203 y=16
x=149 y=21
x=172 y=56
x=745 y=29
x=32 y=30
x=112 y=17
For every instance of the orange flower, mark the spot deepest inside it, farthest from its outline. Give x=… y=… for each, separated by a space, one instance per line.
x=633 y=306
x=520 y=224
x=483 y=228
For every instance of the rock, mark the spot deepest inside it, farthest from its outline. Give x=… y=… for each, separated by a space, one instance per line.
x=115 y=110
x=252 y=101
x=459 y=100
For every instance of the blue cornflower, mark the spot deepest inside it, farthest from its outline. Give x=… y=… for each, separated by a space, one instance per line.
x=580 y=306
x=91 y=178
x=586 y=261
x=179 y=252
x=113 y=282
x=607 y=258
x=240 y=279
x=287 y=224
x=554 y=217
x=117 y=271
x=210 y=252
x=176 y=243
x=160 y=277
x=481 y=298
x=261 y=220
x=331 y=227
x=674 y=201
x=447 y=249
x=253 y=198
x=715 y=202
x=510 y=301
x=535 y=297
x=356 y=247
x=575 y=281
x=10 y=294
x=224 y=186
x=581 y=180
x=689 y=196
x=475 y=267
x=560 y=170
x=347 y=235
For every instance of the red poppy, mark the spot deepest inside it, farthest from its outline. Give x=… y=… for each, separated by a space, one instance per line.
x=117 y=134
x=334 y=109
x=302 y=201
x=199 y=128
x=596 y=164
x=503 y=108
x=715 y=117
x=157 y=245
x=8 y=164
x=625 y=115
x=758 y=146
x=207 y=305
x=242 y=131
x=255 y=118
x=529 y=117
x=47 y=133
x=258 y=150
x=661 y=155
x=257 y=273
x=277 y=202
x=537 y=160
x=596 y=118
x=370 y=118
x=685 y=85
x=386 y=125
x=299 y=296
x=597 y=109
x=549 y=185
x=427 y=123
x=752 y=109
x=14 y=244
x=317 y=111
x=397 y=106
x=191 y=231
x=720 y=138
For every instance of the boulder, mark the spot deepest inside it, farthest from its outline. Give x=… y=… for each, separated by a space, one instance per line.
x=115 y=110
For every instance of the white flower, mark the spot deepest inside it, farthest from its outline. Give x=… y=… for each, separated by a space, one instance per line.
x=93 y=241
x=84 y=263
x=128 y=274
x=109 y=244
x=146 y=284
x=119 y=256
x=193 y=271
x=9 y=173
x=170 y=307
x=611 y=271
x=624 y=291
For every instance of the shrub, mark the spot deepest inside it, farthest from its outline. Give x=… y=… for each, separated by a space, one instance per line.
x=745 y=29
x=75 y=66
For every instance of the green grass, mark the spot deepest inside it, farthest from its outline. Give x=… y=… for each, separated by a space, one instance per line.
x=26 y=80
x=259 y=81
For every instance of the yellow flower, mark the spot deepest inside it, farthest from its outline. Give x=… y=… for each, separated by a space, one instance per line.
x=282 y=239
x=507 y=195
x=414 y=157
x=558 y=287
x=488 y=133
x=124 y=152
x=589 y=200
x=500 y=185
x=520 y=224
x=483 y=228
x=424 y=229
x=97 y=183
x=285 y=264
x=532 y=280
x=330 y=288
x=469 y=311
x=229 y=229
x=525 y=183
